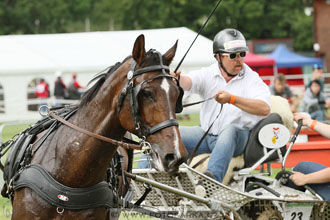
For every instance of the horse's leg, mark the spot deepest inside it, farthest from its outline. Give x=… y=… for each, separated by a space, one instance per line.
x=127 y=158
x=114 y=213
x=27 y=205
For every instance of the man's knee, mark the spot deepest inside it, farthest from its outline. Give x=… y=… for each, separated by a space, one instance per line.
x=302 y=167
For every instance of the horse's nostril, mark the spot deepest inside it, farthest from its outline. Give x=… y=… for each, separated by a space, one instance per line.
x=170 y=158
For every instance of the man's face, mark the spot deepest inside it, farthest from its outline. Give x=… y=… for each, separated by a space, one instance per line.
x=279 y=86
x=317 y=73
x=233 y=66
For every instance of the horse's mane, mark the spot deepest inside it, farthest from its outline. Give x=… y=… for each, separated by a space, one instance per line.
x=101 y=78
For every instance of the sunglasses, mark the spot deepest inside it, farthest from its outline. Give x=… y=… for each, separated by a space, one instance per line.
x=233 y=56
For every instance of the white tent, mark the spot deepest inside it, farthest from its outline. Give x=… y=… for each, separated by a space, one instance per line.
x=26 y=57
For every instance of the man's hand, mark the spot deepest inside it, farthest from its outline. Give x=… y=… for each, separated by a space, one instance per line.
x=307 y=121
x=176 y=75
x=222 y=97
x=298 y=178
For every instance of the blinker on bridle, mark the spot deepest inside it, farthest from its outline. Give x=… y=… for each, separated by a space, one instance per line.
x=132 y=92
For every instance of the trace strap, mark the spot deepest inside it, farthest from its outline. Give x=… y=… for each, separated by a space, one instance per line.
x=102 y=138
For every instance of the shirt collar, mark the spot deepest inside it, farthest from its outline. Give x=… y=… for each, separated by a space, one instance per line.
x=240 y=75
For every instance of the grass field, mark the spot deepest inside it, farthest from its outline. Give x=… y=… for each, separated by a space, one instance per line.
x=8 y=132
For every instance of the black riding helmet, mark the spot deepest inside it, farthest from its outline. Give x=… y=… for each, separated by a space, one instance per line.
x=229 y=41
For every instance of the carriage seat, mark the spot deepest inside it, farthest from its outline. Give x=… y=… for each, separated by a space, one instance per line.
x=267 y=143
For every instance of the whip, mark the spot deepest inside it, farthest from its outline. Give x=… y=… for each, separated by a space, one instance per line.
x=200 y=30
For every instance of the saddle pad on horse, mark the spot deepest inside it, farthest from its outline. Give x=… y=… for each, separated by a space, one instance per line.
x=19 y=148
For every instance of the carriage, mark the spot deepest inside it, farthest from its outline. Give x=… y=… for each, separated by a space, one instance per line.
x=249 y=194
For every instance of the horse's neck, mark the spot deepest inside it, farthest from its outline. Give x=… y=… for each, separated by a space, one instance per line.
x=103 y=107
x=76 y=159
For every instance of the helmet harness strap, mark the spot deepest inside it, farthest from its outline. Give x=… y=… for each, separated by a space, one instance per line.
x=222 y=66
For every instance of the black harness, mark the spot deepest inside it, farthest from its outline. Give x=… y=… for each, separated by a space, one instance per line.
x=39 y=180
x=132 y=92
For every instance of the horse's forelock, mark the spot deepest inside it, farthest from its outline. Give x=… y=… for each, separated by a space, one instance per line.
x=151 y=58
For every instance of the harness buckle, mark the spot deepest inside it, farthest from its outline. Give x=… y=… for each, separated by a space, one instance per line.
x=145 y=147
x=124 y=91
x=138 y=126
x=44 y=110
x=10 y=185
x=130 y=75
x=60 y=210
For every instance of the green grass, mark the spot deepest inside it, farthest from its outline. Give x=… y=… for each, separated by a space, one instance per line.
x=11 y=130
x=8 y=132
x=189 y=120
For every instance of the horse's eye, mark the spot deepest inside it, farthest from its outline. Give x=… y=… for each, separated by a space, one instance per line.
x=147 y=94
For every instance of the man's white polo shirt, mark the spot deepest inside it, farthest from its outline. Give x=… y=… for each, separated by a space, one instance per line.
x=207 y=81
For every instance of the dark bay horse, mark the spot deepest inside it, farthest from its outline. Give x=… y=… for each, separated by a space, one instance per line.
x=139 y=97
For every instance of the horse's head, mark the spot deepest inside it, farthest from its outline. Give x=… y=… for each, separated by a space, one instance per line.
x=150 y=100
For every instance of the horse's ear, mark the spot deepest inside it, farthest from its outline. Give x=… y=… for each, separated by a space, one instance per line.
x=138 y=50
x=169 y=55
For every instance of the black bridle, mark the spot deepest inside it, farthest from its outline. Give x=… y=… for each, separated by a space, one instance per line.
x=132 y=92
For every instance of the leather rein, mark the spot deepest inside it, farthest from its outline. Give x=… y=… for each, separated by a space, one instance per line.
x=97 y=136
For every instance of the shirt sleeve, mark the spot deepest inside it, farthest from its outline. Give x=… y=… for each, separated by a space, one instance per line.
x=255 y=89
x=197 y=80
x=258 y=90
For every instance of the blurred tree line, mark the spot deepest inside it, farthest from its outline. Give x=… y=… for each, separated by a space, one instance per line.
x=257 y=19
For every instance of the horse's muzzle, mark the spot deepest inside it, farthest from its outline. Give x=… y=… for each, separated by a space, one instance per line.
x=172 y=162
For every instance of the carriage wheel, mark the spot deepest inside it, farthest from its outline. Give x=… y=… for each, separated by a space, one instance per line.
x=270 y=214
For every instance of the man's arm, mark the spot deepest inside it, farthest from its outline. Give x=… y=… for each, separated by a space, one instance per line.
x=322 y=128
x=322 y=176
x=185 y=81
x=252 y=106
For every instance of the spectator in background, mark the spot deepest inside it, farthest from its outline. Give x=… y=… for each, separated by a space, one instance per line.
x=314 y=101
x=42 y=92
x=59 y=89
x=317 y=74
x=280 y=88
x=74 y=88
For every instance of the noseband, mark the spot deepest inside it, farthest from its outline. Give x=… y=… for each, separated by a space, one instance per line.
x=132 y=92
